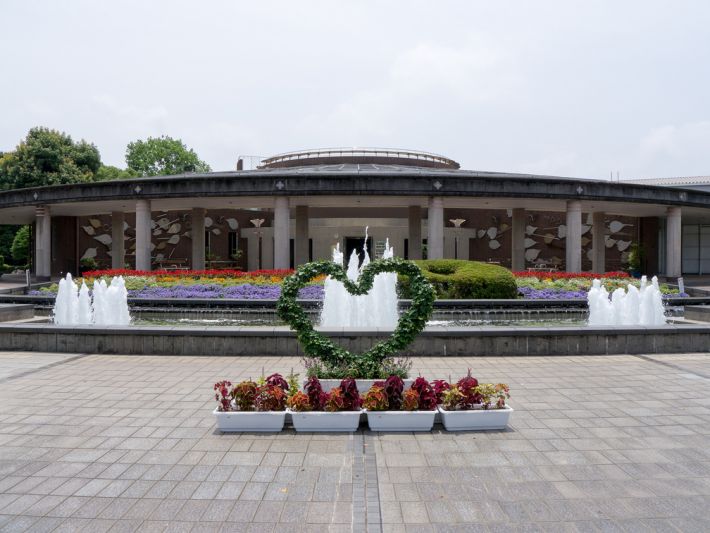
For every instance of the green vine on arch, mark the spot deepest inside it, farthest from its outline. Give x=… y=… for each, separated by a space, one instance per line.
x=316 y=345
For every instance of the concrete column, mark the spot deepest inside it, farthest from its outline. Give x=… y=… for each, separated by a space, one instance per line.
x=574 y=236
x=415 y=232
x=435 y=240
x=281 y=232
x=518 y=240
x=43 y=242
x=118 y=246
x=198 y=238
x=598 y=243
x=673 y=242
x=301 y=245
x=143 y=234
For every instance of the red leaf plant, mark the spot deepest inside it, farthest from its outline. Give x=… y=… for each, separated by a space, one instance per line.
x=244 y=394
x=277 y=380
x=223 y=395
x=440 y=386
x=427 y=397
x=351 y=396
x=467 y=385
x=410 y=400
x=270 y=398
x=316 y=396
x=299 y=402
x=394 y=386
x=375 y=399
x=335 y=401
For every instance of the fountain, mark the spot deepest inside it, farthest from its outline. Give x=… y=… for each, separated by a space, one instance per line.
x=633 y=307
x=75 y=306
x=377 y=309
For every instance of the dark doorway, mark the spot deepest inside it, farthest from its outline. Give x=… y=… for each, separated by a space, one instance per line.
x=355 y=243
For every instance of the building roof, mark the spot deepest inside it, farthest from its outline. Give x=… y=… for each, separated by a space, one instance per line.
x=686 y=181
x=335 y=156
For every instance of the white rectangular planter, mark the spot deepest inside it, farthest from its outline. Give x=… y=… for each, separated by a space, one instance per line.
x=321 y=421
x=251 y=421
x=400 y=420
x=476 y=419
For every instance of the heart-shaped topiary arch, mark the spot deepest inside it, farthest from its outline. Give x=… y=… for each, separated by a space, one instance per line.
x=318 y=346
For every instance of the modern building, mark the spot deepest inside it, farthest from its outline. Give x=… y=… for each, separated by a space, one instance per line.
x=295 y=207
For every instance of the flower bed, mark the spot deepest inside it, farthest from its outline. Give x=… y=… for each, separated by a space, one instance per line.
x=574 y=285
x=255 y=285
x=267 y=284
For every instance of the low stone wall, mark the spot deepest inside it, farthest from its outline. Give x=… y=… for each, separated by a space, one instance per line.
x=280 y=341
x=10 y=312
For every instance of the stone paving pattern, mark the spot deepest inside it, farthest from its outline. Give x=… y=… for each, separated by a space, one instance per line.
x=127 y=443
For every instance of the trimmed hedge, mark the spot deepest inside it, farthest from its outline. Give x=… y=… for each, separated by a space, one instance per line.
x=460 y=279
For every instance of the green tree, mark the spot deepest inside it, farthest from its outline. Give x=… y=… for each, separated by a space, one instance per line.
x=108 y=173
x=48 y=157
x=7 y=236
x=21 y=246
x=163 y=155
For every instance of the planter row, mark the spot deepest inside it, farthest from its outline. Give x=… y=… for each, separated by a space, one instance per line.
x=347 y=421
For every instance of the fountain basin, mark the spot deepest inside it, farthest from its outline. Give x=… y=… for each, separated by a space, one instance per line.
x=280 y=341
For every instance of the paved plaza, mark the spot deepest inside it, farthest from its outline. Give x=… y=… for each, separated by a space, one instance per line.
x=127 y=443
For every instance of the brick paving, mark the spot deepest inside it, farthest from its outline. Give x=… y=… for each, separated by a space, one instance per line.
x=127 y=443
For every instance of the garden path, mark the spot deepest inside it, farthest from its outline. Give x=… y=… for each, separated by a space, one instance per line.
x=127 y=443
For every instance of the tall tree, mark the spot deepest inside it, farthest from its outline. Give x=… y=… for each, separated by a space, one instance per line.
x=20 y=248
x=48 y=157
x=109 y=172
x=163 y=155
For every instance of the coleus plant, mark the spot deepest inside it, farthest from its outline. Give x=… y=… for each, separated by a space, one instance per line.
x=394 y=386
x=427 y=397
x=270 y=398
x=467 y=385
x=316 y=396
x=223 y=395
x=335 y=401
x=244 y=394
x=410 y=400
x=375 y=399
x=351 y=396
x=440 y=386
x=277 y=380
x=299 y=402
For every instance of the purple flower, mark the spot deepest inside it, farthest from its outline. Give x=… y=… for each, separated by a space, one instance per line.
x=529 y=293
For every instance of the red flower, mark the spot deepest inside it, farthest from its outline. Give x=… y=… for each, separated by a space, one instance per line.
x=569 y=275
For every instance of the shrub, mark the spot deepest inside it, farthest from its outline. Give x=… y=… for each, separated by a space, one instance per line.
x=461 y=279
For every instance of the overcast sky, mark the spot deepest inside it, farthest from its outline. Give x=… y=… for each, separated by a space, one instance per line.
x=576 y=88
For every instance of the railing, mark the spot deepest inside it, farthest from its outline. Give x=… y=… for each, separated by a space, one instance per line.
x=358 y=152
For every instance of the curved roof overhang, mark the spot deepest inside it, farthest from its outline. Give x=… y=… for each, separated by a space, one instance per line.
x=395 y=184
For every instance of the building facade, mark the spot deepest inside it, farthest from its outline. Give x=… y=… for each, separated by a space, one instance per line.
x=296 y=207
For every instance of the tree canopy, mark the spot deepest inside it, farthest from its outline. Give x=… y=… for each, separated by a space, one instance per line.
x=163 y=155
x=48 y=157
x=109 y=172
